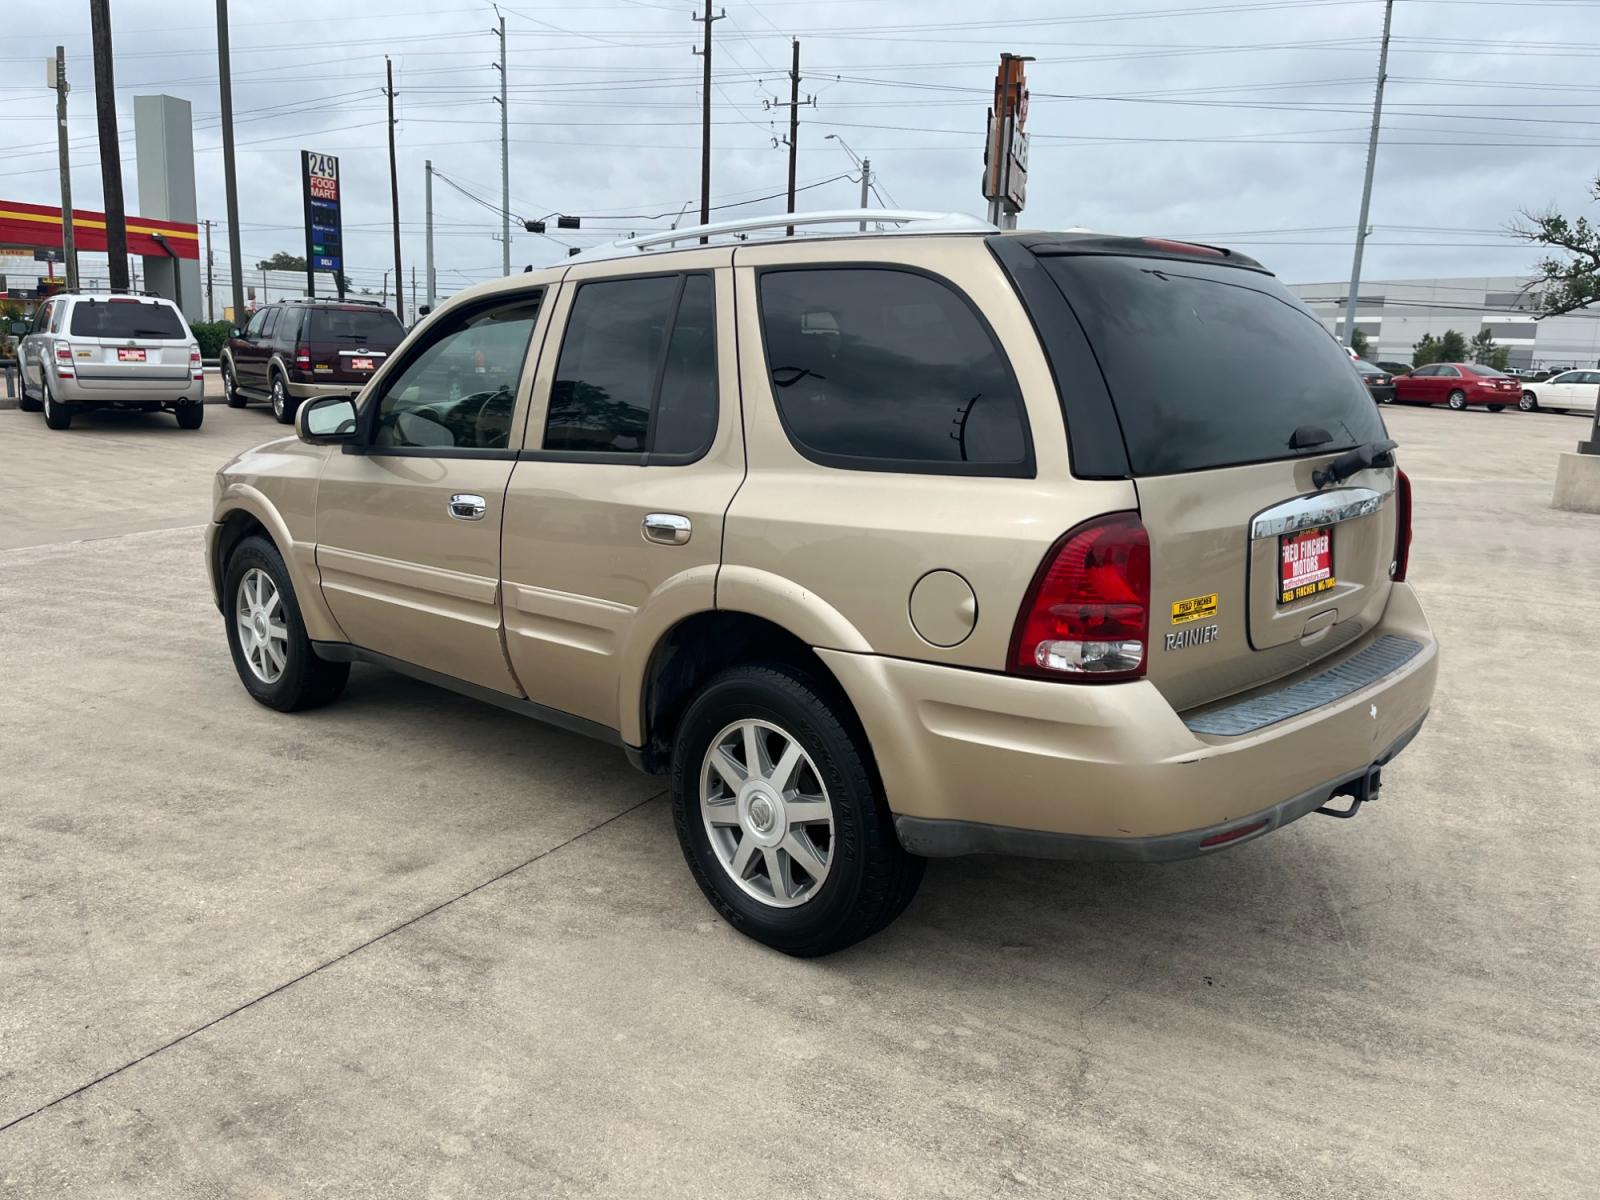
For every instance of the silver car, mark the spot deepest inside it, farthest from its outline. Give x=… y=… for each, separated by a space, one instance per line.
x=110 y=351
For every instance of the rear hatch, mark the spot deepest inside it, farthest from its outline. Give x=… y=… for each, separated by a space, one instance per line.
x=130 y=342
x=346 y=345
x=1224 y=396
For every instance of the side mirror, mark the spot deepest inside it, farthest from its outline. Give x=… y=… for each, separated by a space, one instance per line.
x=19 y=328
x=325 y=420
x=231 y=332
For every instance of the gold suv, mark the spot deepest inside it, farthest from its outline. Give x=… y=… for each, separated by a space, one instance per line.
x=881 y=546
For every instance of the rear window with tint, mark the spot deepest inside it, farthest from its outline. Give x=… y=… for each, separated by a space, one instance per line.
x=123 y=320
x=1205 y=368
x=355 y=327
x=1488 y=372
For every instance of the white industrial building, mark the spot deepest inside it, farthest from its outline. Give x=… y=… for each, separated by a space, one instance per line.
x=1394 y=314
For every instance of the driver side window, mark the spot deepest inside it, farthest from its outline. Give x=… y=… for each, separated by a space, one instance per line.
x=458 y=391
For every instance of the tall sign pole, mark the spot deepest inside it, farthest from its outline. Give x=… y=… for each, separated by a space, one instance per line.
x=1005 y=153
x=105 y=103
x=229 y=179
x=319 y=185
x=69 y=236
x=1366 y=186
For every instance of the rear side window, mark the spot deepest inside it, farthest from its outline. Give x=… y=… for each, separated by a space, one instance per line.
x=889 y=370
x=355 y=328
x=637 y=372
x=122 y=320
x=1206 y=368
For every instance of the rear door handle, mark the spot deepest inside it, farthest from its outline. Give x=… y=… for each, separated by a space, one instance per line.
x=669 y=529
x=466 y=507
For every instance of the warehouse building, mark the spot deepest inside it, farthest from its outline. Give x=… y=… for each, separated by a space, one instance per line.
x=1394 y=314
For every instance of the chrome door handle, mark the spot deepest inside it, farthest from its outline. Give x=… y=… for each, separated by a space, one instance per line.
x=466 y=507
x=667 y=528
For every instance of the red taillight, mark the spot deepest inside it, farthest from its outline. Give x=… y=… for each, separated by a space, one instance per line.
x=302 y=360
x=1086 y=616
x=63 y=354
x=1231 y=835
x=1402 y=526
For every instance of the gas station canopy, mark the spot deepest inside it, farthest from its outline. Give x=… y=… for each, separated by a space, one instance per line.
x=38 y=227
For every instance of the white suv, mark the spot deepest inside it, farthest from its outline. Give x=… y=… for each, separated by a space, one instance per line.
x=110 y=351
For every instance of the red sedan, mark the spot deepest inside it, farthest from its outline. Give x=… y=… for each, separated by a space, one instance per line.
x=1458 y=385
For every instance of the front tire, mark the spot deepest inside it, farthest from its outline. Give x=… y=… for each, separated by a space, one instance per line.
x=1457 y=400
x=56 y=414
x=230 y=388
x=781 y=815
x=190 y=415
x=267 y=636
x=1529 y=402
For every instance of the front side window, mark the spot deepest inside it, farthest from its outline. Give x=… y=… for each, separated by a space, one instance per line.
x=884 y=369
x=460 y=389
x=637 y=371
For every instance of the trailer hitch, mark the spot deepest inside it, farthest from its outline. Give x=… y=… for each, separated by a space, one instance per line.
x=1360 y=790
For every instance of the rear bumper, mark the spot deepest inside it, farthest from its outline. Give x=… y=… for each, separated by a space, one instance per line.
x=310 y=391
x=975 y=761
x=77 y=390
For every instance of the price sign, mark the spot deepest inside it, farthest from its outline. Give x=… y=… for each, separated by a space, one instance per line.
x=319 y=175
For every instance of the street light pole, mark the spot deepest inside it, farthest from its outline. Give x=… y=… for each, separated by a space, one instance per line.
x=1366 y=186
x=230 y=181
x=427 y=202
x=69 y=237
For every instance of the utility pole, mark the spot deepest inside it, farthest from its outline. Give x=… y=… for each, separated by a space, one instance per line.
x=705 y=118
x=229 y=179
x=1366 y=186
x=505 y=156
x=427 y=202
x=211 y=278
x=413 y=289
x=394 y=194
x=866 y=186
x=69 y=236
x=794 y=124
x=105 y=103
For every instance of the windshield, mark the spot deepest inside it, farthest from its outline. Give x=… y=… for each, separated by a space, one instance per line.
x=1211 y=366
x=1489 y=372
x=356 y=326
x=124 y=319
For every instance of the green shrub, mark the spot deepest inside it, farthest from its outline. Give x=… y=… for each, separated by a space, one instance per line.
x=211 y=335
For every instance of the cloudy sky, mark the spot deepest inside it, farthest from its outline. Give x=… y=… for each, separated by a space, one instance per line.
x=1243 y=123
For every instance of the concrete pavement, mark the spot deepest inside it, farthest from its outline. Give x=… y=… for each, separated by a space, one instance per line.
x=411 y=945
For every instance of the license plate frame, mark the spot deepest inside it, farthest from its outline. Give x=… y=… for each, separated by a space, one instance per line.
x=1296 y=580
x=133 y=354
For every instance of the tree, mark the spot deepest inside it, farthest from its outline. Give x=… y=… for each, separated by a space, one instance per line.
x=1359 y=343
x=283 y=261
x=1453 y=346
x=1569 y=278
x=1483 y=350
x=1426 y=351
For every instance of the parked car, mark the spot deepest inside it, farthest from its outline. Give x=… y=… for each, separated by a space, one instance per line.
x=87 y=351
x=1571 y=391
x=1458 y=385
x=1395 y=368
x=878 y=546
x=292 y=350
x=1380 y=384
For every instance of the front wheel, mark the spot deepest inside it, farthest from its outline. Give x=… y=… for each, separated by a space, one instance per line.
x=24 y=401
x=781 y=816
x=1457 y=400
x=1529 y=402
x=267 y=636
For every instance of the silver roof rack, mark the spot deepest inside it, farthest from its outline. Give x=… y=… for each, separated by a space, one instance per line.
x=910 y=221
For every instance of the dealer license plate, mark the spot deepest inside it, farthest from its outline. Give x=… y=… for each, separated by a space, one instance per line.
x=129 y=354
x=361 y=364
x=1305 y=563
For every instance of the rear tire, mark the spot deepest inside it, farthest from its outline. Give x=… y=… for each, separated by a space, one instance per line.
x=301 y=680
x=283 y=405
x=230 y=388
x=1457 y=400
x=56 y=414
x=1529 y=402
x=1496 y=407
x=867 y=878
x=190 y=415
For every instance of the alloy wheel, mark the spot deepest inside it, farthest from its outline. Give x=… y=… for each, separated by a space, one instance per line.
x=263 y=632
x=1529 y=402
x=278 y=397
x=767 y=813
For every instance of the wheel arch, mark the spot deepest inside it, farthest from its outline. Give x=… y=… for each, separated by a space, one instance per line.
x=245 y=510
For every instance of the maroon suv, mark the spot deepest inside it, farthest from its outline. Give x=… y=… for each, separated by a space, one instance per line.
x=293 y=350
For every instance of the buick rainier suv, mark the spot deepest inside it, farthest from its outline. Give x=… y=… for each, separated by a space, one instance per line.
x=879 y=546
